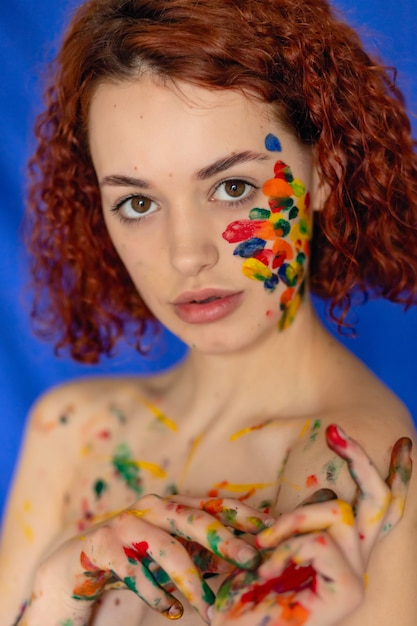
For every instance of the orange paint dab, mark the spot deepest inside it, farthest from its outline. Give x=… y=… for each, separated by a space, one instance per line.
x=312 y=481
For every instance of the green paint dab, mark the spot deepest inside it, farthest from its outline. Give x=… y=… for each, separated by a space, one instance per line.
x=126 y=467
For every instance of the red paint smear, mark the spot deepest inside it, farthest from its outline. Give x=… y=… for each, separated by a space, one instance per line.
x=320 y=539
x=138 y=552
x=294 y=578
x=264 y=256
x=242 y=230
x=104 y=434
x=269 y=313
x=362 y=536
x=213 y=493
x=279 y=260
x=279 y=168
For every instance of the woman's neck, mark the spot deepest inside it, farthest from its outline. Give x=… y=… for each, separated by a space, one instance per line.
x=275 y=376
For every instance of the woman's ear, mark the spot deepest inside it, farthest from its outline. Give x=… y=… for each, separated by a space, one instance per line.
x=320 y=188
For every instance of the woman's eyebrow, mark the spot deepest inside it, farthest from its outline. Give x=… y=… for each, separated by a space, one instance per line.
x=118 y=180
x=222 y=164
x=225 y=162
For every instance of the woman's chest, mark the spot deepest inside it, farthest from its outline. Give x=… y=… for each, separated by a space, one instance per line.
x=117 y=466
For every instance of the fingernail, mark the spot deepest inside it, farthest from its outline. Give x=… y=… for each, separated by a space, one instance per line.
x=248 y=556
x=176 y=611
x=336 y=435
x=270 y=521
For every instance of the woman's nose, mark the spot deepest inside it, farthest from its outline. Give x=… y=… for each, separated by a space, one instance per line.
x=192 y=244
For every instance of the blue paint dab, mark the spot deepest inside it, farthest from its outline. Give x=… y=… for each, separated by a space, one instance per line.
x=271 y=283
x=249 y=248
x=272 y=143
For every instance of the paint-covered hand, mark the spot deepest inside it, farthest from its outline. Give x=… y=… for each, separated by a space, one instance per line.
x=315 y=558
x=144 y=549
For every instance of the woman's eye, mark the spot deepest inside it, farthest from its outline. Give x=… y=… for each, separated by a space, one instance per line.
x=233 y=189
x=135 y=207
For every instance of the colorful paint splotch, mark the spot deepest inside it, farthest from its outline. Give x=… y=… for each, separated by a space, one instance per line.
x=127 y=469
x=92 y=582
x=240 y=593
x=274 y=242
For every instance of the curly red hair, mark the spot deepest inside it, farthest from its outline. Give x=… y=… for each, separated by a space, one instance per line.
x=296 y=54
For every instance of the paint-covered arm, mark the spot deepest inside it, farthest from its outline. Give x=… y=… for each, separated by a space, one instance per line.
x=33 y=516
x=316 y=557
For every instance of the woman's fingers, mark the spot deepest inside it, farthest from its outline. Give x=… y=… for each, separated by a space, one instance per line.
x=398 y=481
x=374 y=495
x=335 y=517
x=230 y=512
x=311 y=583
x=196 y=525
x=148 y=566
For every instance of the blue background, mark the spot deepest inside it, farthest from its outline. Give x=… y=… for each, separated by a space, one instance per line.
x=29 y=31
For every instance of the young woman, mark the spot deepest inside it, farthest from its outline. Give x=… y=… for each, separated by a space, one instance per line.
x=189 y=155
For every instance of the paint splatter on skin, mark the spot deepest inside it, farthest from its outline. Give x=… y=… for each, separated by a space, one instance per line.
x=272 y=143
x=159 y=416
x=93 y=580
x=231 y=601
x=275 y=242
x=332 y=469
x=118 y=413
x=193 y=449
x=46 y=426
x=311 y=481
x=243 y=487
x=100 y=486
x=313 y=434
x=137 y=552
x=127 y=469
x=250 y=429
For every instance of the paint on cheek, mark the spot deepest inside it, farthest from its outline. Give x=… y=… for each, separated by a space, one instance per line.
x=274 y=242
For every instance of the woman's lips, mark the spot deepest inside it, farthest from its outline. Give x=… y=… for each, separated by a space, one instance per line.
x=207 y=305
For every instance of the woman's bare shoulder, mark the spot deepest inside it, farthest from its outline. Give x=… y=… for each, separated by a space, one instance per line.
x=75 y=399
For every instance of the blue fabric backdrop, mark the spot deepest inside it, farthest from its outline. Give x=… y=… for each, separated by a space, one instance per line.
x=29 y=31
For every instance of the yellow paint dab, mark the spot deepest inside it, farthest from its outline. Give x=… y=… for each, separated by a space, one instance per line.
x=137 y=512
x=305 y=428
x=346 y=513
x=285 y=481
x=28 y=532
x=85 y=450
x=243 y=487
x=195 y=444
x=156 y=470
x=250 y=429
x=252 y=268
x=166 y=421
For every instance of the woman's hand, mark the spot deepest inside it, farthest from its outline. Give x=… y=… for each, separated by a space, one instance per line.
x=315 y=557
x=144 y=549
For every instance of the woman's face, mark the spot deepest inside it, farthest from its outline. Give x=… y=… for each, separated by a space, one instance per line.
x=207 y=200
